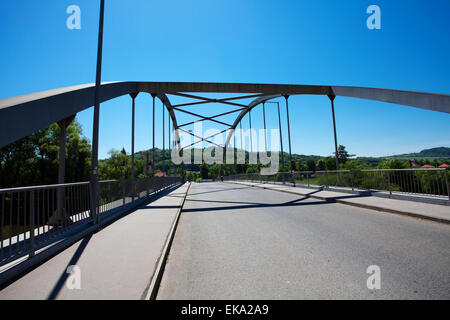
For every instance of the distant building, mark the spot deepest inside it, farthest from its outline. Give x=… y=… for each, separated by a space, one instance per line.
x=427 y=166
x=444 y=165
x=160 y=174
x=414 y=164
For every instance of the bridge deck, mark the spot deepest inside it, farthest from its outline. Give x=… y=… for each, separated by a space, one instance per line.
x=118 y=262
x=422 y=210
x=240 y=242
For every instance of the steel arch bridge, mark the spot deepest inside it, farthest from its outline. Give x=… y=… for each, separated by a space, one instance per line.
x=23 y=115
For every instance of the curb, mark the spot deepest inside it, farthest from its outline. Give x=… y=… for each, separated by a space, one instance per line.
x=151 y=291
x=360 y=205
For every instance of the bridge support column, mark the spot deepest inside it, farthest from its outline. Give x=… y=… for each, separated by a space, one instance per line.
x=281 y=139
x=164 y=141
x=168 y=145
x=133 y=112
x=153 y=153
x=264 y=119
x=332 y=97
x=289 y=138
x=250 y=125
x=242 y=144
x=60 y=216
x=234 y=153
x=224 y=162
x=183 y=176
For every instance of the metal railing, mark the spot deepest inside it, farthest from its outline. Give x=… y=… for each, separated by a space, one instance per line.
x=32 y=218
x=430 y=182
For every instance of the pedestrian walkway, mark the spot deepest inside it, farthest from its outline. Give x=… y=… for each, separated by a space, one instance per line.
x=117 y=262
x=435 y=212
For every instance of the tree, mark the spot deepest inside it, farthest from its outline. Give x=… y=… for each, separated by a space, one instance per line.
x=117 y=166
x=330 y=163
x=78 y=154
x=33 y=160
x=311 y=165
x=214 y=171
x=393 y=164
x=343 y=155
x=321 y=165
x=300 y=166
x=241 y=167
x=251 y=170
x=355 y=165
x=204 y=170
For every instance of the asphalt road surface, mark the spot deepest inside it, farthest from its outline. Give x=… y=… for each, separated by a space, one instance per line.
x=239 y=242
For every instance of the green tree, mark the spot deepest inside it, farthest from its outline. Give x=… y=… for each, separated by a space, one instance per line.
x=204 y=170
x=321 y=165
x=300 y=166
x=214 y=171
x=251 y=169
x=393 y=164
x=330 y=163
x=117 y=166
x=33 y=160
x=311 y=165
x=354 y=164
x=343 y=155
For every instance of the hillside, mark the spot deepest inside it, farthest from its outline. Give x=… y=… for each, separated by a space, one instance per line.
x=425 y=156
x=441 y=152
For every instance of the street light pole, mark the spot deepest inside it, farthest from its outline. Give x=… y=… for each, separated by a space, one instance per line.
x=94 y=157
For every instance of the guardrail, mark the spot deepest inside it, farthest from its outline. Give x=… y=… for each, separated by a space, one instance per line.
x=421 y=182
x=32 y=218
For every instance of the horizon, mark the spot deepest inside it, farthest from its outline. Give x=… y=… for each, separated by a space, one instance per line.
x=262 y=42
x=285 y=151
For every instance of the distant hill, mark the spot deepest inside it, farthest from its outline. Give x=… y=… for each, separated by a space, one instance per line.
x=428 y=155
x=441 y=152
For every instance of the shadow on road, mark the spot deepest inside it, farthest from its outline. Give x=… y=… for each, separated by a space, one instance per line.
x=62 y=279
x=250 y=205
x=218 y=190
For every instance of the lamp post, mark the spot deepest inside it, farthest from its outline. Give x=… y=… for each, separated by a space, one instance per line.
x=94 y=161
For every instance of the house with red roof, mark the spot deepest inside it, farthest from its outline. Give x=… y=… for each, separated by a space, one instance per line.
x=160 y=174
x=414 y=164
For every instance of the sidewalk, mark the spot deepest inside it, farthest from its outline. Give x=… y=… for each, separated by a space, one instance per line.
x=117 y=262
x=439 y=213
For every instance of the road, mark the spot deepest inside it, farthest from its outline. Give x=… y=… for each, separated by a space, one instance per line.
x=239 y=242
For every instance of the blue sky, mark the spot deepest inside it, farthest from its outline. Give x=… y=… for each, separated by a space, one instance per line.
x=288 y=42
